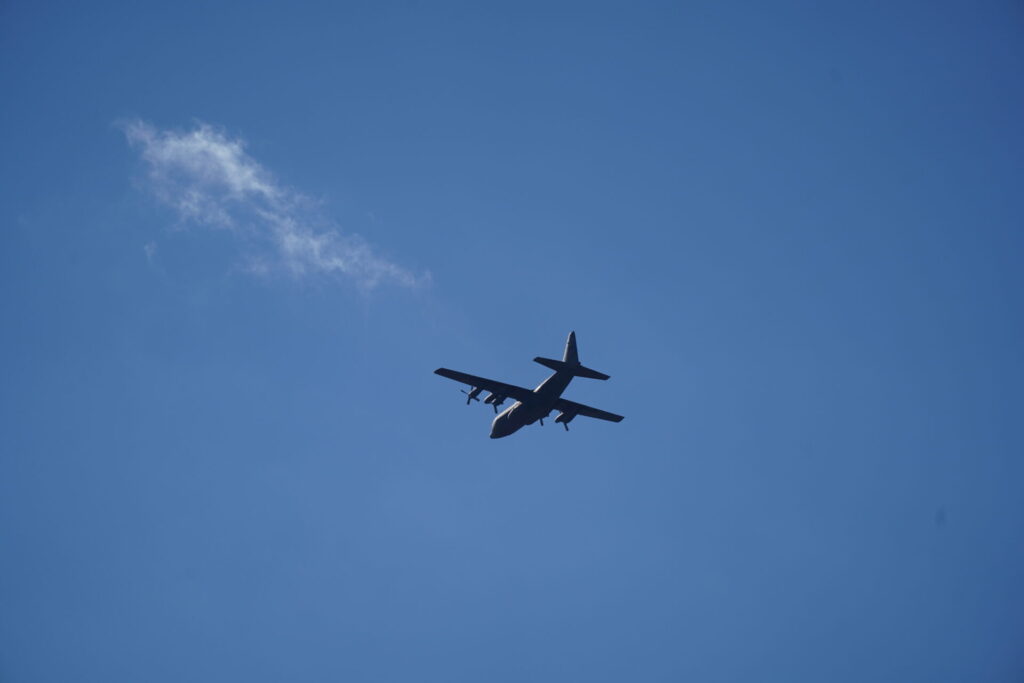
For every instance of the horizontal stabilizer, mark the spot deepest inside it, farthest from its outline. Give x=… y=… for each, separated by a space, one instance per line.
x=581 y=371
x=576 y=369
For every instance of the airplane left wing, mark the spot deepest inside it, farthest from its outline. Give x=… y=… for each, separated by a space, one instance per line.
x=499 y=388
x=573 y=409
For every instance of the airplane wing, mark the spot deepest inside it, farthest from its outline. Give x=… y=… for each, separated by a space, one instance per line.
x=500 y=388
x=573 y=408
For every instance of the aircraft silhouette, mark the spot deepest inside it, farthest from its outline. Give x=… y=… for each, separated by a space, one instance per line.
x=535 y=405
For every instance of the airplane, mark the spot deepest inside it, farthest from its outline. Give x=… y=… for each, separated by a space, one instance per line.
x=531 y=406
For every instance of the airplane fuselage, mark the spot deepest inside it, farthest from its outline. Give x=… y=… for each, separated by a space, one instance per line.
x=520 y=414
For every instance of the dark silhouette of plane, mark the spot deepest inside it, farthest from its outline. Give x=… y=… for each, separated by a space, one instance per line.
x=531 y=406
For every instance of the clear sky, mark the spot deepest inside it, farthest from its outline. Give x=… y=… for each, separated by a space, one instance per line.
x=237 y=240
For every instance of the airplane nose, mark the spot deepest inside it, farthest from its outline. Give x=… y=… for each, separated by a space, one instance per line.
x=498 y=427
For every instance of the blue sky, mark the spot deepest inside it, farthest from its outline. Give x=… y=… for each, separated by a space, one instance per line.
x=238 y=239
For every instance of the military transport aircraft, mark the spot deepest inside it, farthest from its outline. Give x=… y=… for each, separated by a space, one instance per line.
x=531 y=406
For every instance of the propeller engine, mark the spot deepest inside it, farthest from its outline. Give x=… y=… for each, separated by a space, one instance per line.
x=565 y=418
x=472 y=394
x=495 y=400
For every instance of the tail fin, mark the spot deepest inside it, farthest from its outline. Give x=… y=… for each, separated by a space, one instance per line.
x=570 y=362
x=571 y=355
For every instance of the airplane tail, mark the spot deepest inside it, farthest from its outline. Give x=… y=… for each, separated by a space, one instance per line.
x=570 y=362
x=571 y=355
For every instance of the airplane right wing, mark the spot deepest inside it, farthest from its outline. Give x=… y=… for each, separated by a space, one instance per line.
x=499 y=388
x=573 y=409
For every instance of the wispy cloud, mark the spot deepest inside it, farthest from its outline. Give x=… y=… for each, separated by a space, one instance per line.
x=210 y=180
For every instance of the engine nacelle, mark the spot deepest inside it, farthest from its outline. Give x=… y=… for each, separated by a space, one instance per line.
x=474 y=392
x=565 y=418
x=495 y=400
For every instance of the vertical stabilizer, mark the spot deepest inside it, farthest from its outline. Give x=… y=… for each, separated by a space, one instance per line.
x=571 y=355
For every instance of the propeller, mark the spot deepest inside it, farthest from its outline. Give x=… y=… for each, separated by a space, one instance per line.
x=472 y=394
